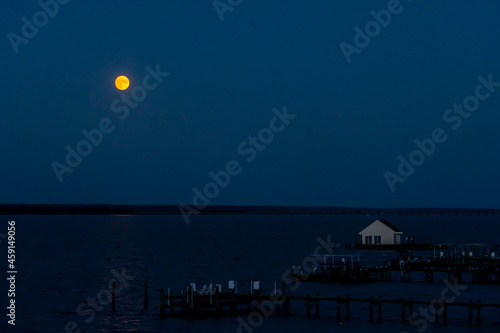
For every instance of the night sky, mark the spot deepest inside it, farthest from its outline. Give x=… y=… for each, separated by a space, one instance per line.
x=339 y=122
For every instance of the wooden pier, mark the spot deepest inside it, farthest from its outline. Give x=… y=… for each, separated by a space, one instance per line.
x=344 y=268
x=217 y=303
x=478 y=275
x=395 y=247
x=345 y=275
x=347 y=268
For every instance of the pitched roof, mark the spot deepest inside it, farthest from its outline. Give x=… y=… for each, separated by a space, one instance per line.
x=390 y=225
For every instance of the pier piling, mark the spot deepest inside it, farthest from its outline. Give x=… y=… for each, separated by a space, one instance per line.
x=113 y=297
x=403 y=309
x=338 y=307
x=380 y=308
x=445 y=311
x=317 y=305
x=162 y=303
x=470 y=312
x=308 y=305
x=145 y=294
x=371 y=308
x=435 y=303
x=347 y=307
x=410 y=303
x=478 y=312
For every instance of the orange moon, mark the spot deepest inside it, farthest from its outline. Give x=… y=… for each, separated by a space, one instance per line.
x=122 y=82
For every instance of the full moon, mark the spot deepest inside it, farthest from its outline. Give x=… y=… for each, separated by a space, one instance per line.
x=122 y=82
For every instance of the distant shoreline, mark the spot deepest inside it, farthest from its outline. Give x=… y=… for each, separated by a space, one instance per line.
x=105 y=209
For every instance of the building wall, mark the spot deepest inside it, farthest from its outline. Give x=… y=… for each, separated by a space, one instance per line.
x=380 y=229
x=398 y=240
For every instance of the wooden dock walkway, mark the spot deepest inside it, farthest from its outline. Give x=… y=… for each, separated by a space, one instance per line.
x=347 y=274
x=192 y=305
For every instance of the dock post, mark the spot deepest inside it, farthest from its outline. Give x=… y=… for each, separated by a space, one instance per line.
x=145 y=294
x=390 y=277
x=183 y=308
x=257 y=304
x=347 y=307
x=190 y=297
x=233 y=301
x=285 y=298
x=162 y=303
x=403 y=309
x=338 y=306
x=308 y=305
x=410 y=303
x=113 y=297
x=478 y=312
x=470 y=312
x=409 y=274
x=445 y=311
x=276 y=302
x=436 y=313
x=371 y=308
x=380 y=308
x=168 y=300
x=219 y=307
x=317 y=305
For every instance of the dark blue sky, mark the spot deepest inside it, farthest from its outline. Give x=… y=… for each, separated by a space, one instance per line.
x=225 y=77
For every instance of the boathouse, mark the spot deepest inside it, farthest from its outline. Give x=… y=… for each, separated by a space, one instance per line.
x=380 y=232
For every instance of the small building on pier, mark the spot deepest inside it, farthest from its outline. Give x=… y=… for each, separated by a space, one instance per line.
x=381 y=232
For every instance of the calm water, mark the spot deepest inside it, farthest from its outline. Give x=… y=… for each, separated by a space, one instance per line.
x=65 y=260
